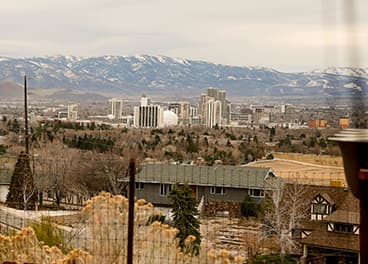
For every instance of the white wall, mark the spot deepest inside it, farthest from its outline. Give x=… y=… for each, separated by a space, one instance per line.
x=4 y=189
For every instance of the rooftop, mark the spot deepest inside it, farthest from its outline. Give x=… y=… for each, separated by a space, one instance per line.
x=226 y=176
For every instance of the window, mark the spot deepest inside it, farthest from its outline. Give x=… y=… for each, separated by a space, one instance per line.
x=320 y=209
x=165 y=189
x=217 y=190
x=256 y=193
x=344 y=228
x=139 y=185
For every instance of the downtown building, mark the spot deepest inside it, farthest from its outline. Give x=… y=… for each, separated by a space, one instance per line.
x=116 y=107
x=148 y=115
x=214 y=108
x=73 y=111
x=182 y=110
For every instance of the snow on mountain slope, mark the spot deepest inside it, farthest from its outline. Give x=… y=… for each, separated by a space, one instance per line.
x=167 y=75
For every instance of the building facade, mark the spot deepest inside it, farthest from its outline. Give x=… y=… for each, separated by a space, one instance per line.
x=73 y=111
x=182 y=110
x=148 y=115
x=219 y=183
x=214 y=108
x=116 y=107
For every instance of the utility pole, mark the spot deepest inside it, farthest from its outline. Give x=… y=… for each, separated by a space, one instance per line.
x=26 y=117
x=131 y=211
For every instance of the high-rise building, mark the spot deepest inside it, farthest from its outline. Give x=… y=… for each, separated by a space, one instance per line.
x=148 y=115
x=73 y=111
x=213 y=113
x=214 y=108
x=116 y=107
x=182 y=110
x=145 y=100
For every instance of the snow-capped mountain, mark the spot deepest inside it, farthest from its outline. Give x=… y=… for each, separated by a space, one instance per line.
x=167 y=75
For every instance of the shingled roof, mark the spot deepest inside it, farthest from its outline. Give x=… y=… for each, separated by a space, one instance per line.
x=346 y=212
x=337 y=241
x=226 y=176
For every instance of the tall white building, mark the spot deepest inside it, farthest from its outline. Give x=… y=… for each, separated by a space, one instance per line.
x=73 y=111
x=148 y=115
x=213 y=113
x=214 y=108
x=145 y=101
x=116 y=107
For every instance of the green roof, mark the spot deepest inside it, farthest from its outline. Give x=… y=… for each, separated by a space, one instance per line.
x=227 y=176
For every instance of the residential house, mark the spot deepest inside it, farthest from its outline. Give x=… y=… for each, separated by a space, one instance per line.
x=331 y=232
x=209 y=184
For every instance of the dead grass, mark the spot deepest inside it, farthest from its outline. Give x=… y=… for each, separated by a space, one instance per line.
x=309 y=158
x=68 y=220
x=300 y=170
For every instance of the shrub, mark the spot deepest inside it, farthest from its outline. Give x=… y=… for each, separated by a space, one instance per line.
x=248 y=207
x=2 y=149
x=156 y=218
x=47 y=232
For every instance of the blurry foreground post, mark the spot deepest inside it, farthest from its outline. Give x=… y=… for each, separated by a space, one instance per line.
x=131 y=210
x=354 y=148
x=26 y=117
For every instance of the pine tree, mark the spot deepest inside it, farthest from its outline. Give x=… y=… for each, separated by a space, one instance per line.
x=184 y=217
x=22 y=192
x=248 y=207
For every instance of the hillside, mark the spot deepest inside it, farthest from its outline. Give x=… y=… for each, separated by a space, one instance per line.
x=133 y=75
x=10 y=89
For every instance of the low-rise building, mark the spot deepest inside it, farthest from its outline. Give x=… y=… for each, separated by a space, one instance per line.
x=344 y=122
x=330 y=231
x=227 y=184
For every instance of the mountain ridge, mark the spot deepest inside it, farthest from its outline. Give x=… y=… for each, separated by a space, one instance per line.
x=133 y=75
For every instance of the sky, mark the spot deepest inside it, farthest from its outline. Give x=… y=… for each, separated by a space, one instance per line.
x=287 y=35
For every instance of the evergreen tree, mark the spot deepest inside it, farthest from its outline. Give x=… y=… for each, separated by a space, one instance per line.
x=248 y=207
x=22 y=192
x=184 y=217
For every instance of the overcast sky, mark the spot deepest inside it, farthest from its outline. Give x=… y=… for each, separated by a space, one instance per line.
x=288 y=35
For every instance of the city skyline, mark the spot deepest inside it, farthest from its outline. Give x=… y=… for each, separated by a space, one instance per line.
x=287 y=35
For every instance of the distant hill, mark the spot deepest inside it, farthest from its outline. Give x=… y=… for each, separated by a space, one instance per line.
x=160 y=75
x=10 y=89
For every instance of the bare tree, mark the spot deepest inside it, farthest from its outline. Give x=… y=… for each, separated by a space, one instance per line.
x=105 y=171
x=56 y=167
x=28 y=192
x=286 y=209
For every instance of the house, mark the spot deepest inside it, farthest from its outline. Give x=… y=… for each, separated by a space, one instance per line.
x=225 y=184
x=331 y=232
